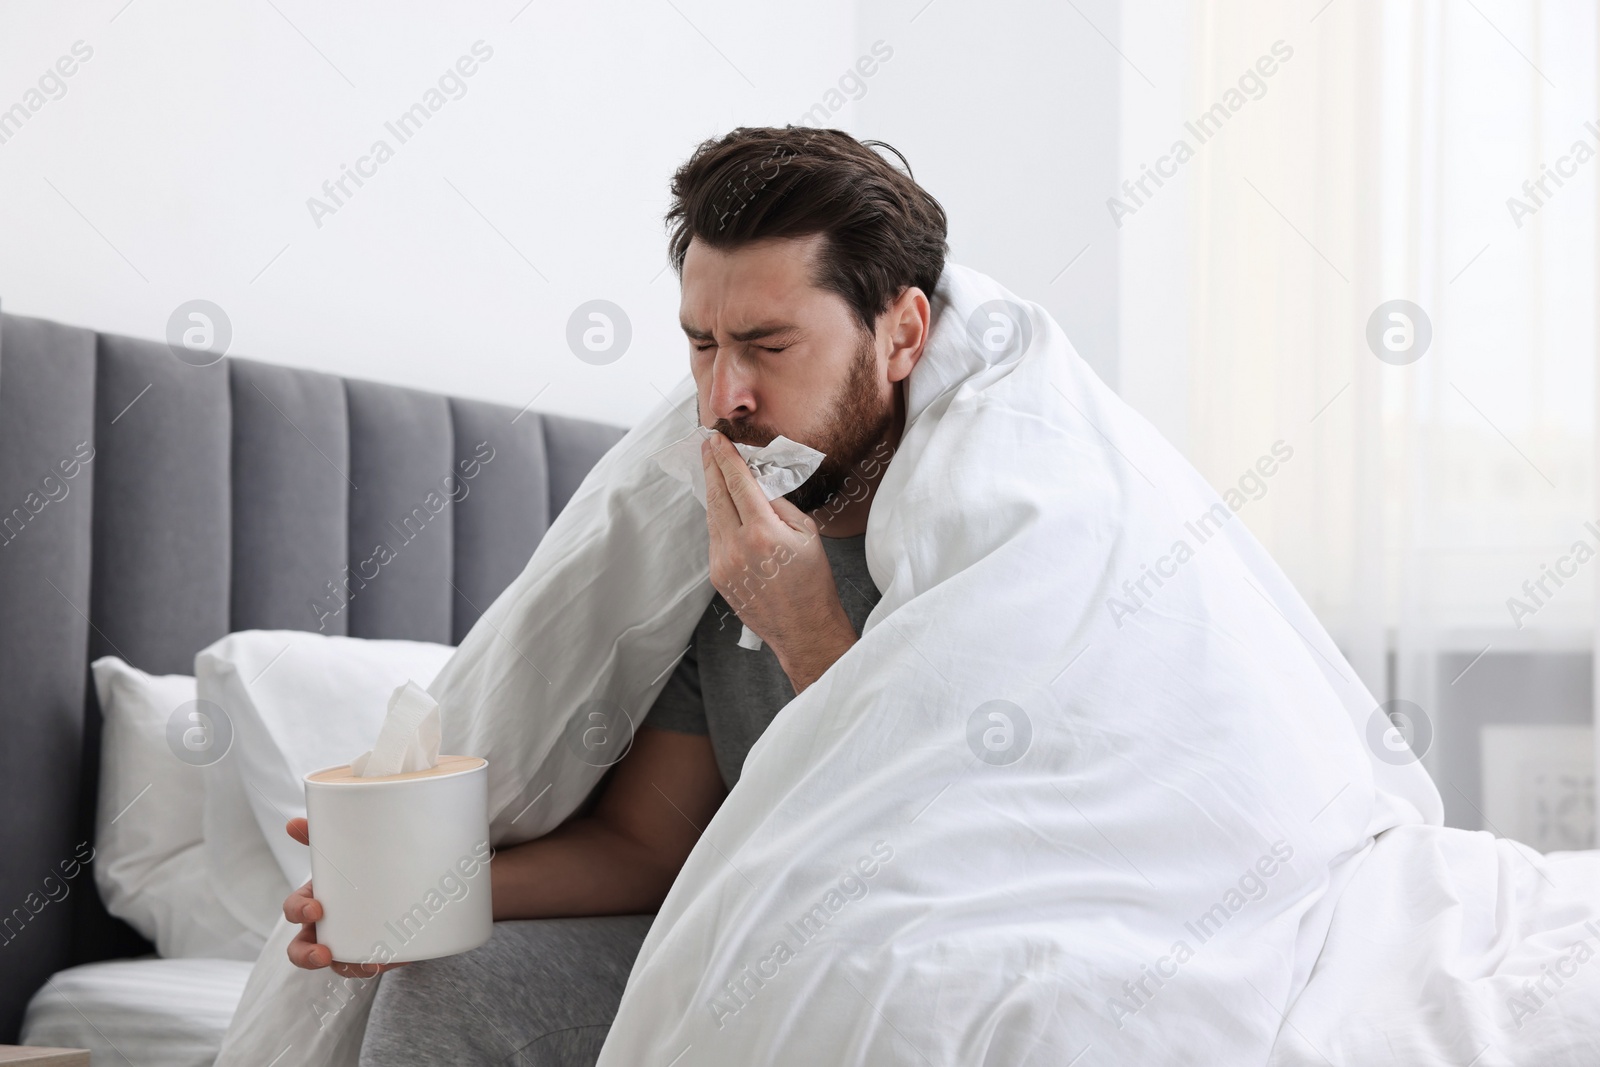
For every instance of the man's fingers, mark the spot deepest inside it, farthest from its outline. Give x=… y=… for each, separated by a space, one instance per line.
x=301 y=907
x=721 y=514
x=791 y=515
x=747 y=496
x=300 y=830
x=305 y=952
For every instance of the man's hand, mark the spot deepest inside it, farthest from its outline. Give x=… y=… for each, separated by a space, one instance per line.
x=768 y=562
x=300 y=907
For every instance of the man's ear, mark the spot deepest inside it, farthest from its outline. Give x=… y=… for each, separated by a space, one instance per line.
x=906 y=324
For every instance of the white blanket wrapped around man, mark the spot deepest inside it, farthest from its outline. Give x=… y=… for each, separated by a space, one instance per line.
x=1089 y=789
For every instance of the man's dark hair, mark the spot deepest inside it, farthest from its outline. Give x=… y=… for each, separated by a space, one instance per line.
x=883 y=232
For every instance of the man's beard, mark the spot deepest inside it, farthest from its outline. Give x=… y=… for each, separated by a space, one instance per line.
x=857 y=422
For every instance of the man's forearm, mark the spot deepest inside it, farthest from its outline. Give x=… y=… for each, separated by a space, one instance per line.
x=582 y=868
x=810 y=660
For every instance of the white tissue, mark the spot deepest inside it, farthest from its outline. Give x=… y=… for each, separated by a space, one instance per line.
x=780 y=466
x=409 y=738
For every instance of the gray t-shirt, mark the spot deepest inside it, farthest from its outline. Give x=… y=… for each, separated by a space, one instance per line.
x=734 y=693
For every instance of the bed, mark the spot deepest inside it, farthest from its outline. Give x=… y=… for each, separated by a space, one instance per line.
x=219 y=498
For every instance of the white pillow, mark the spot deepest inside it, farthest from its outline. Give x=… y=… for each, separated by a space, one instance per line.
x=297 y=701
x=149 y=867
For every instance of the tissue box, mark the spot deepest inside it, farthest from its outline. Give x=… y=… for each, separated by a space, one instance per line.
x=54 y=1057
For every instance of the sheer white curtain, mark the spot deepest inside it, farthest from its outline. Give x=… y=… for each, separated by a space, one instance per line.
x=1375 y=153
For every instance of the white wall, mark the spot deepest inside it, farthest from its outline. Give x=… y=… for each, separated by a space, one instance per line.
x=1008 y=114
x=179 y=161
x=194 y=135
x=1153 y=270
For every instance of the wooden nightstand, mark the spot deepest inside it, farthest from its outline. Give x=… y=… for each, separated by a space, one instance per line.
x=44 y=1057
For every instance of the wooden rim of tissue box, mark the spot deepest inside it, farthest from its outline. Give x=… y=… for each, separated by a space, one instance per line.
x=343 y=775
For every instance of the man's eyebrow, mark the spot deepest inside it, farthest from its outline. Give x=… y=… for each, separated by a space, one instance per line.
x=754 y=333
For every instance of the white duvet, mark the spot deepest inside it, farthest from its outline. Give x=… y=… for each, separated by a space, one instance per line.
x=1094 y=787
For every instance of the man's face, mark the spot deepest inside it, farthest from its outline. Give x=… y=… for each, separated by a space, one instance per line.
x=772 y=355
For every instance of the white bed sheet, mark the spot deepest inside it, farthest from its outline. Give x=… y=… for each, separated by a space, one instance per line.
x=138 y=1012
x=1455 y=947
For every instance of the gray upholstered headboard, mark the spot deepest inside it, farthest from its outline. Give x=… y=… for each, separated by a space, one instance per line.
x=219 y=498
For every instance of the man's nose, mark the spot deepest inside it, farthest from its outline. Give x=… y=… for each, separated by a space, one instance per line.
x=732 y=396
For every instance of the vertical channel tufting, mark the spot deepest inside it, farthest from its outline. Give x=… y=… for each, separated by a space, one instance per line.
x=162 y=555
x=161 y=533
x=400 y=554
x=502 y=502
x=210 y=500
x=291 y=499
x=46 y=496
x=574 y=447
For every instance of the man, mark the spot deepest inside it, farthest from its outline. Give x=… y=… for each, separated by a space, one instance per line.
x=806 y=262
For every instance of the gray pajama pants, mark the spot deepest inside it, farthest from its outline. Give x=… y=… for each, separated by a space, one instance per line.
x=539 y=993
